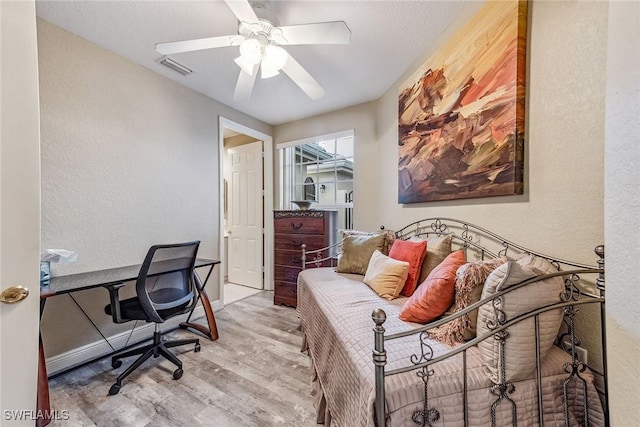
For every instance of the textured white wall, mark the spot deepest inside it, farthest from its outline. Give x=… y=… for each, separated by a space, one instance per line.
x=561 y=211
x=622 y=211
x=129 y=159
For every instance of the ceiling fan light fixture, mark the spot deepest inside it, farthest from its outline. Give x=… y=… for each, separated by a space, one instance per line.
x=246 y=65
x=274 y=57
x=251 y=51
x=259 y=43
x=266 y=72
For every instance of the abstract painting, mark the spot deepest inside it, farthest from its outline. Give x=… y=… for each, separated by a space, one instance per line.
x=461 y=115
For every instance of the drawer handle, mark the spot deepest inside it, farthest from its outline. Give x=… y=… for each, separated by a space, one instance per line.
x=298 y=227
x=296 y=243
x=296 y=260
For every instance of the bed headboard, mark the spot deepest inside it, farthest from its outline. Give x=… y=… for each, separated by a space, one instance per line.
x=477 y=241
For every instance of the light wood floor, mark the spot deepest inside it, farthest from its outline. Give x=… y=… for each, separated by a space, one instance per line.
x=233 y=292
x=253 y=375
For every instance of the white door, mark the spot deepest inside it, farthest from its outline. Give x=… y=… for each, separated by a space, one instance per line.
x=245 y=215
x=19 y=211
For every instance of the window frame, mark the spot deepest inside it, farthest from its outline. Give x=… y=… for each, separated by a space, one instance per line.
x=287 y=166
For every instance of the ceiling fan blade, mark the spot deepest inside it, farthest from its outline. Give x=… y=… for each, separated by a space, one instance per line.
x=335 y=32
x=302 y=78
x=244 y=86
x=198 y=44
x=243 y=11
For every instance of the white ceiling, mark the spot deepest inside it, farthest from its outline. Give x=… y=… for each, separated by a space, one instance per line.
x=386 y=37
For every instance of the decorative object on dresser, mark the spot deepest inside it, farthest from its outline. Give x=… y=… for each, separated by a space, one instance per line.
x=313 y=228
x=304 y=205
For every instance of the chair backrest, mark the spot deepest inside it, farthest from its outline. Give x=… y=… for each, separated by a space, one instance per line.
x=166 y=283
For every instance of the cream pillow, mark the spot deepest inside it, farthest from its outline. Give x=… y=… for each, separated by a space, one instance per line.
x=519 y=348
x=386 y=275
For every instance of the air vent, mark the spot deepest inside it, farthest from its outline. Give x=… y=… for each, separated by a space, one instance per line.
x=175 y=66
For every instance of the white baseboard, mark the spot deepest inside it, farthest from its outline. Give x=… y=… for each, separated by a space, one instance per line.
x=93 y=350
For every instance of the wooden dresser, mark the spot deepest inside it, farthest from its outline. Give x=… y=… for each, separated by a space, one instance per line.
x=316 y=229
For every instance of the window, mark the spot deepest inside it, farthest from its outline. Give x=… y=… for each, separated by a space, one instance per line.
x=319 y=169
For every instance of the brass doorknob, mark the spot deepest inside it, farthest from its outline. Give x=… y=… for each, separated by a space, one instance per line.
x=14 y=294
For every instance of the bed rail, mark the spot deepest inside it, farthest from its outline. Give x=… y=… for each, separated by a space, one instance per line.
x=474 y=238
x=423 y=362
x=319 y=257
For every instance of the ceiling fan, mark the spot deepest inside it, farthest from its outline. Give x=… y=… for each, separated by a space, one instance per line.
x=260 y=44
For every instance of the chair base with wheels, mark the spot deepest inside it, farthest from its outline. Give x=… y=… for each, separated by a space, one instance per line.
x=155 y=349
x=165 y=287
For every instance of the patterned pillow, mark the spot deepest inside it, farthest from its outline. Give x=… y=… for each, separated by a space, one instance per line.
x=357 y=251
x=386 y=275
x=470 y=279
x=519 y=348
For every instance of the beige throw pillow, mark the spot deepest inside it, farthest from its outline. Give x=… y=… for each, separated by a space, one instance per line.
x=386 y=275
x=519 y=351
x=437 y=250
x=389 y=237
x=357 y=251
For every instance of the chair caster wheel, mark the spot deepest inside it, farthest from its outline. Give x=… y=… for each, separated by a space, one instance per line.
x=177 y=374
x=196 y=349
x=115 y=389
x=115 y=364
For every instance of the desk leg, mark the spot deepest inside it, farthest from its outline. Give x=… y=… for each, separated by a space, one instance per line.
x=211 y=331
x=43 y=405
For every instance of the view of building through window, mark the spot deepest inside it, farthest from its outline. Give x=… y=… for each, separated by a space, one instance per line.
x=321 y=169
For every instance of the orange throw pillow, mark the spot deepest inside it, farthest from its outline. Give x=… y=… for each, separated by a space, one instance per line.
x=413 y=253
x=435 y=295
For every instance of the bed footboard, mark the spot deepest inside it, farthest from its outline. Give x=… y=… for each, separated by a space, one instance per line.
x=576 y=384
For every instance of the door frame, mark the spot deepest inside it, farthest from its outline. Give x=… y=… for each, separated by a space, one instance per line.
x=267 y=183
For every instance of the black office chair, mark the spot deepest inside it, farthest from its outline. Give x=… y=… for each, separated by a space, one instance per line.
x=165 y=288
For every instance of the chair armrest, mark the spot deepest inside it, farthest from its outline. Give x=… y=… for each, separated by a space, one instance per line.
x=114 y=300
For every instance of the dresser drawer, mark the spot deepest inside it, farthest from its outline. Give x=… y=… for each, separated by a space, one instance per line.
x=290 y=258
x=295 y=241
x=286 y=274
x=286 y=293
x=299 y=225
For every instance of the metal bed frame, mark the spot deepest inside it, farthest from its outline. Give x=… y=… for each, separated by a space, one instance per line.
x=482 y=243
